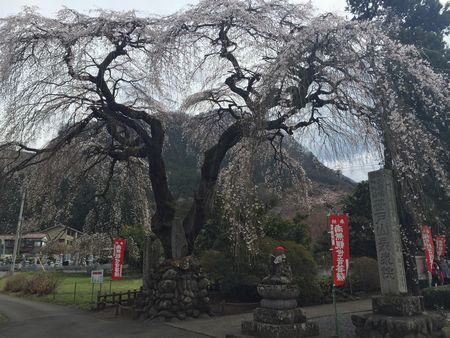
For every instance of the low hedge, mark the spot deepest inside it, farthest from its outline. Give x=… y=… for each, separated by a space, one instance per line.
x=239 y=281
x=38 y=283
x=437 y=297
x=364 y=274
x=16 y=283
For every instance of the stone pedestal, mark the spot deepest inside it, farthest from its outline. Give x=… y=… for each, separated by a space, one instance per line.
x=279 y=316
x=398 y=305
x=382 y=326
x=266 y=330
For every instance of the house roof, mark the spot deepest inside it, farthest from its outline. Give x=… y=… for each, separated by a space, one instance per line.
x=63 y=227
x=31 y=235
x=34 y=235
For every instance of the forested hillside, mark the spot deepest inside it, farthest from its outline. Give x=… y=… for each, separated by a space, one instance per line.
x=82 y=204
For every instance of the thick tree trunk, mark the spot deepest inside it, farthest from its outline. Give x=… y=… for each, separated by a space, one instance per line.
x=162 y=220
x=163 y=230
x=151 y=259
x=199 y=212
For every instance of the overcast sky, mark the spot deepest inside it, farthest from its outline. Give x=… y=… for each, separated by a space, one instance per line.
x=356 y=169
x=49 y=7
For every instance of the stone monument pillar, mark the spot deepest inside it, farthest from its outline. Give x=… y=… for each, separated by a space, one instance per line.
x=279 y=316
x=395 y=314
x=387 y=233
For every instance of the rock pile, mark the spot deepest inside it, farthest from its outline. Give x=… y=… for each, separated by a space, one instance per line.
x=177 y=289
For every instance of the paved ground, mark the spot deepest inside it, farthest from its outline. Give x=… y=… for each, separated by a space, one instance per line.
x=28 y=319
x=322 y=314
x=38 y=320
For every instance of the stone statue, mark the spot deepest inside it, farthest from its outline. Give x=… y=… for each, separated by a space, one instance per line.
x=280 y=270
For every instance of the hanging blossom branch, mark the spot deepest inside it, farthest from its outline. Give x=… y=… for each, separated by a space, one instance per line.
x=264 y=70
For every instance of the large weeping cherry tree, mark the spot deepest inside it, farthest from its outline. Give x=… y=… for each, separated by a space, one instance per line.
x=242 y=71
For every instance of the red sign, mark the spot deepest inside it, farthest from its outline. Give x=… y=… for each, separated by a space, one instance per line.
x=340 y=247
x=440 y=246
x=428 y=246
x=117 y=261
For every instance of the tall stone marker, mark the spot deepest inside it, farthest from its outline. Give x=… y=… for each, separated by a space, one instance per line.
x=395 y=314
x=387 y=233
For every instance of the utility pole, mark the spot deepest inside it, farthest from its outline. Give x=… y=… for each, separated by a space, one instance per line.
x=19 y=225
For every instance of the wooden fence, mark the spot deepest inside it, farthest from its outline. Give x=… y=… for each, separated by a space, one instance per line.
x=127 y=298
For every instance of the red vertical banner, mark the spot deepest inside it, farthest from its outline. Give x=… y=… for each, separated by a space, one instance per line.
x=428 y=246
x=117 y=261
x=340 y=247
x=440 y=245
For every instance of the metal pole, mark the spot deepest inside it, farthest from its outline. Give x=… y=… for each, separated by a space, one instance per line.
x=92 y=293
x=335 y=311
x=19 y=225
x=110 y=281
x=350 y=281
x=333 y=288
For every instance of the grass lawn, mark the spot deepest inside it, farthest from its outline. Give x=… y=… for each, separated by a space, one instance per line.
x=81 y=297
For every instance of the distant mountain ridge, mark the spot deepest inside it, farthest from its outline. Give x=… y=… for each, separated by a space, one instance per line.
x=182 y=164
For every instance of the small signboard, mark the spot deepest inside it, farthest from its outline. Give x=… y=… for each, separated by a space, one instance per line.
x=421 y=268
x=97 y=276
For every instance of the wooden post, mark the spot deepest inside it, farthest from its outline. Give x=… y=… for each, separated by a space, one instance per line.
x=16 y=249
x=75 y=293
x=99 y=295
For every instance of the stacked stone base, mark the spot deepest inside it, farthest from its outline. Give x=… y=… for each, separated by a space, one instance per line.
x=399 y=317
x=266 y=330
x=178 y=289
x=279 y=318
x=272 y=323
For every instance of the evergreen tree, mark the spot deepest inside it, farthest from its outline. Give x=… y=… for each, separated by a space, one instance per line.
x=357 y=205
x=423 y=23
